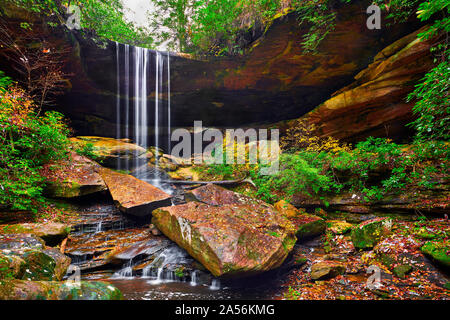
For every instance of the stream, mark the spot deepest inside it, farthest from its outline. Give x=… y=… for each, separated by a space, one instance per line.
x=150 y=266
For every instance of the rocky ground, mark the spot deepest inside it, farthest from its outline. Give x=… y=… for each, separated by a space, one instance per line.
x=112 y=224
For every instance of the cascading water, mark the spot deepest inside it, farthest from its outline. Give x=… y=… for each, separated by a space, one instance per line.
x=136 y=115
x=161 y=267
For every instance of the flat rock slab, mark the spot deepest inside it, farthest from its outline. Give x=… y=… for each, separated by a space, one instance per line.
x=134 y=196
x=27 y=258
x=229 y=240
x=72 y=178
x=113 y=152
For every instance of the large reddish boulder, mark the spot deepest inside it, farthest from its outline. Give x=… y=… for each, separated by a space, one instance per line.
x=229 y=240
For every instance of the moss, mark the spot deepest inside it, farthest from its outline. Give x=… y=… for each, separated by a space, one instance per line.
x=38 y=266
x=402 y=270
x=288 y=243
x=301 y=261
x=368 y=234
x=312 y=229
x=438 y=251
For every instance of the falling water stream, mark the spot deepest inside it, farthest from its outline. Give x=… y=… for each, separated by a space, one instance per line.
x=138 y=118
x=152 y=267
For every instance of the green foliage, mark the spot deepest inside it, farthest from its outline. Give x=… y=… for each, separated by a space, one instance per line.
x=374 y=168
x=432 y=93
x=319 y=18
x=4 y=81
x=27 y=141
x=101 y=19
x=87 y=150
x=433 y=104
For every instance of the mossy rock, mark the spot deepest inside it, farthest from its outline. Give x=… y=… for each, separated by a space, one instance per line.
x=368 y=233
x=47 y=265
x=438 y=251
x=11 y=267
x=423 y=233
x=287 y=209
x=94 y=290
x=402 y=270
x=308 y=226
x=326 y=270
x=54 y=290
x=339 y=227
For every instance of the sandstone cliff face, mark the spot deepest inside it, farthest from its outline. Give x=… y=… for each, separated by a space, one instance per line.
x=274 y=81
x=375 y=103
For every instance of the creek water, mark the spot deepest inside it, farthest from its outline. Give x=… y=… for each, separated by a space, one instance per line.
x=151 y=267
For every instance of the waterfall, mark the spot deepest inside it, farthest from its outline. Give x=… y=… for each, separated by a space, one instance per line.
x=194 y=280
x=157 y=85
x=125 y=273
x=133 y=119
x=140 y=98
x=215 y=284
x=118 y=93
x=169 y=145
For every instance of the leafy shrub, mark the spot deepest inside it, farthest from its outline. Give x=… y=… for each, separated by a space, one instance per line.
x=301 y=136
x=27 y=141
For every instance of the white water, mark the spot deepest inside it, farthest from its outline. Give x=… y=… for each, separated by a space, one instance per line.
x=147 y=64
x=161 y=268
x=194 y=280
x=125 y=273
x=215 y=285
x=98 y=228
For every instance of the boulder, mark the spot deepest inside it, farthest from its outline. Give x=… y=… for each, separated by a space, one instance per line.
x=48 y=264
x=287 y=209
x=275 y=70
x=402 y=270
x=11 y=267
x=308 y=226
x=438 y=251
x=368 y=233
x=26 y=257
x=229 y=240
x=72 y=178
x=53 y=290
x=326 y=270
x=133 y=196
x=51 y=232
x=114 y=153
x=338 y=226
